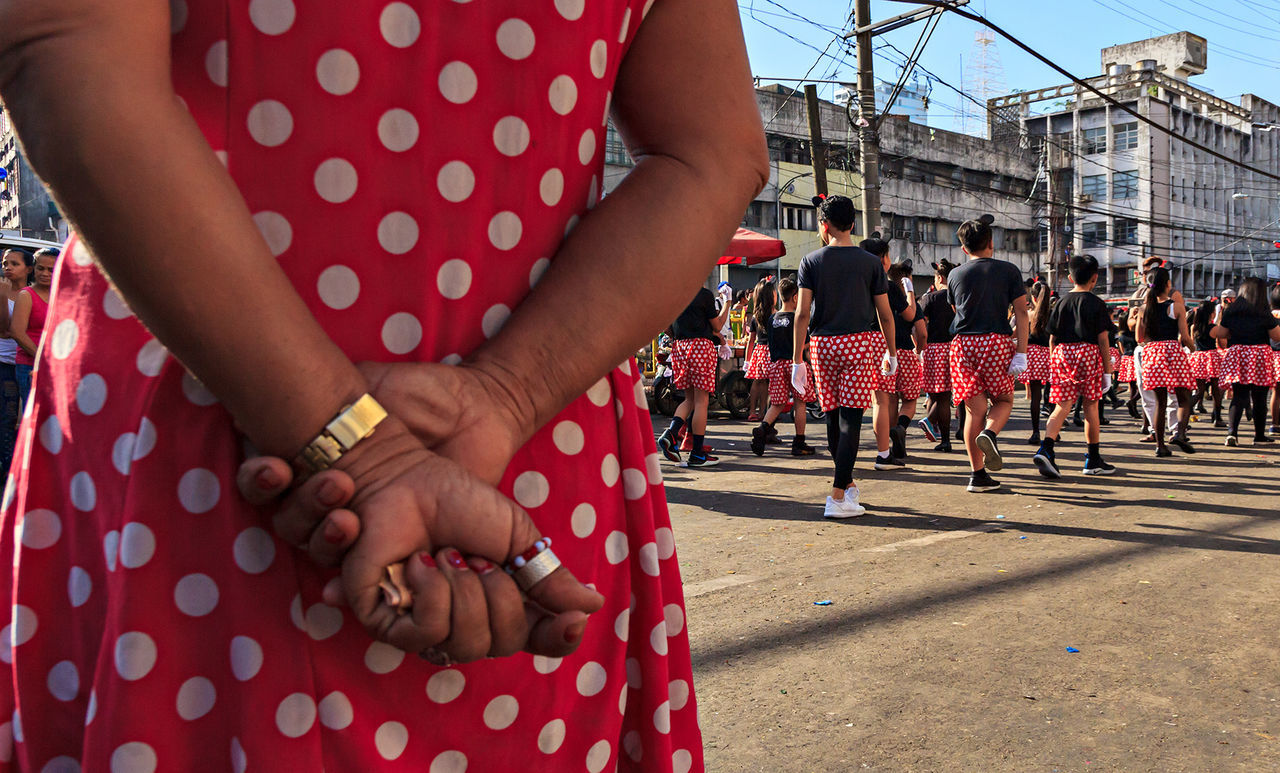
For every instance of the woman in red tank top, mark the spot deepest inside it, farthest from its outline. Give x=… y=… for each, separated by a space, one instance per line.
x=29 y=313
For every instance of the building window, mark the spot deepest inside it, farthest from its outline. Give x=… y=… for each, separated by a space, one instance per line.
x=759 y=215
x=1094 y=234
x=1124 y=185
x=1094 y=186
x=614 y=151
x=1126 y=230
x=1126 y=136
x=1042 y=238
x=1095 y=140
x=799 y=218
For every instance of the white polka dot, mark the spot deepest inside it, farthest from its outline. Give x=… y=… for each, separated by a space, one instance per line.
x=400 y=25
x=515 y=39
x=114 y=306
x=634 y=483
x=338 y=287
x=136 y=756
x=451 y=359
x=196 y=595
x=39 y=529
x=65 y=336
x=626 y=26
x=272 y=17
x=146 y=441
x=587 y=146
x=531 y=489
x=610 y=470
x=649 y=559
x=91 y=394
x=215 y=63
x=494 y=319
x=505 y=230
x=545 y=665
x=591 y=679
x=599 y=57
x=678 y=690
x=673 y=616
x=401 y=333
x=666 y=543
x=137 y=545
x=458 y=82
x=270 y=123
x=568 y=437
x=571 y=9
x=598 y=754
x=455 y=181
x=398 y=130
x=275 y=230
x=322 y=621
x=453 y=280
x=336 y=180
x=551 y=187
x=336 y=712
x=615 y=547
x=79 y=586
x=501 y=712
x=17 y=727
x=511 y=136
x=92 y=711
x=198 y=490
x=622 y=625
x=246 y=658
x=449 y=762
x=196 y=392
x=593 y=193
x=135 y=655
x=635 y=678
x=382 y=658
x=632 y=745
x=658 y=638
x=239 y=762
x=398 y=233
x=681 y=761
x=569 y=225
x=196 y=697
x=84 y=495
x=111 y=548
x=64 y=681
x=563 y=94
x=295 y=715
x=10 y=491
x=539 y=268
x=338 y=71
x=444 y=686
x=295 y=613
x=648 y=5
x=622 y=700
x=61 y=764
x=600 y=392
x=653 y=469
x=551 y=736
x=51 y=434
x=151 y=358
x=254 y=550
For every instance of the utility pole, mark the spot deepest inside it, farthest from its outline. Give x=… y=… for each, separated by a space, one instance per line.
x=817 y=151
x=869 y=129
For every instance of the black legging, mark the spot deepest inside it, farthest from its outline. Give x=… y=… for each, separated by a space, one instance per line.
x=1258 y=395
x=844 y=428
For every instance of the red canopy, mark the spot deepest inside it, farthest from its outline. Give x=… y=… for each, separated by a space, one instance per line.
x=755 y=247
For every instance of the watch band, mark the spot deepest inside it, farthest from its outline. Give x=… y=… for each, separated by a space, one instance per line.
x=353 y=423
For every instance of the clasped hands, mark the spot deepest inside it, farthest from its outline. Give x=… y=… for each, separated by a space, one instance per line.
x=421 y=491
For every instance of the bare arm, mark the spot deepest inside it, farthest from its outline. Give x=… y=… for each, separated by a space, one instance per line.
x=920 y=332
x=18 y=329
x=6 y=321
x=1183 y=332
x=1104 y=347
x=885 y=315
x=1218 y=331
x=1020 y=323
x=801 y=330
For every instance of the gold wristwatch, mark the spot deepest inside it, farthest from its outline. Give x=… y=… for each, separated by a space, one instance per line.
x=353 y=423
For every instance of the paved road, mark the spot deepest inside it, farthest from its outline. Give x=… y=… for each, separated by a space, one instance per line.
x=945 y=644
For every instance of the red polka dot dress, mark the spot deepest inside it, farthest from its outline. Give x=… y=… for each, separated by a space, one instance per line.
x=413 y=167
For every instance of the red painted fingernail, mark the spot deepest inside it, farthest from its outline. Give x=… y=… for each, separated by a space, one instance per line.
x=574 y=632
x=267 y=480
x=427 y=560
x=332 y=533
x=329 y=494
x=480 y=565
x=455 y=559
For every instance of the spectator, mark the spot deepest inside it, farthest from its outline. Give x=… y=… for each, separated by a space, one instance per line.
x=29 y=313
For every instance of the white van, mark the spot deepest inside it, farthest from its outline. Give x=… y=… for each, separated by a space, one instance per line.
x=12 y=239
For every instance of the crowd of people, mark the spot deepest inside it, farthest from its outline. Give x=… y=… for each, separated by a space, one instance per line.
x=25 y=285
x=866 y=342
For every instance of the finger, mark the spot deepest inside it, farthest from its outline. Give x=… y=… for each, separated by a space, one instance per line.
x=554 y=636
x=337 y=532
x=304 y=509
x=426 y=625
x=561 y=592
x=263 y=478
x=469 y=613
x=508 y=625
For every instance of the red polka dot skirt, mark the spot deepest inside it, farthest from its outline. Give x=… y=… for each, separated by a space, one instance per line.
x=936 y=368
x=782 y=391
x=1252 y=365
x=1165 y=366
x=413 y=166
x=1075 y=371
x=1037 y=365
x=980 y=364
x=909 y=377
x=758 y=362
x=693 y=364
x=846 y=369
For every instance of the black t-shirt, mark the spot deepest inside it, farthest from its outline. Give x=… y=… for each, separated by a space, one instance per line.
x=938 y=316
x=844 y=281
x=1127 y=342
x=1247 y=327
x=761 y=334
x=782 y=344
x=981 y=290
x=1166 y=326
x=1042 y=339
x=695 y=321
x=1204 y=341
x=901 y=327
x=1079 y=318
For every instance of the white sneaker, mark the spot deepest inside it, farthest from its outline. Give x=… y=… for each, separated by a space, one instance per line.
x=844 y=508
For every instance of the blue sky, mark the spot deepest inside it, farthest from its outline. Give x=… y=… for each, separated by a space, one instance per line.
x=1243 y=35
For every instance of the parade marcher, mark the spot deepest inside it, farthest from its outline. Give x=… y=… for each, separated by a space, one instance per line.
x=1080 y=366
x=984 y=357
x=912 y=337
x=1124 y=370
x=844 y=306
x=694 y=364
x=781 y=393
x=1249 y=328
x=1206 y=362
x=757 y=355
x=936 y=358
x=888 y=421
x=1036 y=376
x=1163 y=332
x=1274 y=296
x=1137 y=300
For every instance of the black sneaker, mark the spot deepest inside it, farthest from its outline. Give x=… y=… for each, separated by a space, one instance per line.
x=703 y=460
x=1263 y=439
x=897 y=442
x=889 y=463
x=980 y=481
x=771 y=437
x=1104 y=421
x=1098 y=467
x=801 y=448
x=1077 y=421
x=1034 y=440
x=1183 y=443
x=944 y=447
x=758 y=435
x=1163 y=451
x=1044 y=459
x=960 y=434
x=990 y=451
x=668 y=448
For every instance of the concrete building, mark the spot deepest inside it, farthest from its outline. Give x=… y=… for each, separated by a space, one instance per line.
x=25 y=205
x=912 y=101
x=1121 y=189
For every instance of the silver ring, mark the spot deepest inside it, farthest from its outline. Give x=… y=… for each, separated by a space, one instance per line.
x=536 y=569
x=436 y=657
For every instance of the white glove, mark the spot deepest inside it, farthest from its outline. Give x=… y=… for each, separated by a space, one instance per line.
x=800 y=377
x=1018 y=364
x=1106 y=383
x=907 y=286
x=889 y=365
x=725 y=352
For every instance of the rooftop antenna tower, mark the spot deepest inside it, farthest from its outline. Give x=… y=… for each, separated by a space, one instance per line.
x=984 y=79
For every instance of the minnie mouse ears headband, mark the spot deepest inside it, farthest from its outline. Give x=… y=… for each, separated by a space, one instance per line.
x=986 y=219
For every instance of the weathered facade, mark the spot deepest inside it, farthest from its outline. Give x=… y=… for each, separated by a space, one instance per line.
x=25 y=205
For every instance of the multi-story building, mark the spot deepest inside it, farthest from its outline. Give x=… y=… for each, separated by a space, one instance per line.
x=25 y=205
x=1122 y=189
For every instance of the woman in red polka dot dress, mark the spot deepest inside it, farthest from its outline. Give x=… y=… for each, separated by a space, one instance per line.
x=394 y=178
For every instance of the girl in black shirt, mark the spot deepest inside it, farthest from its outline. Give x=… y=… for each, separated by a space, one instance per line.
x=1206 y=361
x=1124 y=371
x=1162 y=330
x=762 y=307
x=1250 y=363
x=1036 y=376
